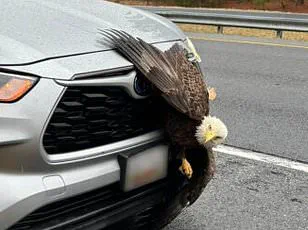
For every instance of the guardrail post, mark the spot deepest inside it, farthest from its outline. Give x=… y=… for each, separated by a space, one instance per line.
x=220 y=29
x=279 y=33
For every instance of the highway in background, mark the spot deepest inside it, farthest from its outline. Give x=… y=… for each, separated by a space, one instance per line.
x=262 y=93
x=228 y=12
x=262 y=88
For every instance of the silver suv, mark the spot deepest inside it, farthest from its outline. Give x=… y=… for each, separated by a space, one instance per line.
x=81 y=145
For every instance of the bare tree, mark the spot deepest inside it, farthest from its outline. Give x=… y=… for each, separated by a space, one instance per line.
x=283 y=4
x=260 y=3
x=300 y=2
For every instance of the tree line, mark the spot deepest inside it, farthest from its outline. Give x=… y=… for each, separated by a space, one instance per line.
x=217 y=3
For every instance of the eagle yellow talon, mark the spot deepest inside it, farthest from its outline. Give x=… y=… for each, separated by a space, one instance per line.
x=186 y=169
x=212 y=93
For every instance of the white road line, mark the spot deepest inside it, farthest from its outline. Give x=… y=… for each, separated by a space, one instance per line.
x=262 y=157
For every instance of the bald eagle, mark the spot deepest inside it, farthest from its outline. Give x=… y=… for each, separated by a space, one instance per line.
x=187 y=122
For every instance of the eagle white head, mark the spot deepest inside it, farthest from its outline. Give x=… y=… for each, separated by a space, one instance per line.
x=211 y=132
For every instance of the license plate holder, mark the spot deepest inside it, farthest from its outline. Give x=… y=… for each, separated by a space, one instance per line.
x=141 y=168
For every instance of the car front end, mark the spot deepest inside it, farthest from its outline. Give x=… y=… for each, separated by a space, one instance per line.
x=75 y=114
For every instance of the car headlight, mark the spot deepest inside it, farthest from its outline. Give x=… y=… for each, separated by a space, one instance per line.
x=192 y=52
x=12 y=87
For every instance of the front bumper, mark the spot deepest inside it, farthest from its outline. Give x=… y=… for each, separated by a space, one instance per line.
x=149 y=207
x=102 y=208
x=29 y=179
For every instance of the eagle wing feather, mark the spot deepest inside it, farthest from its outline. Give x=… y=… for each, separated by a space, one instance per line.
x=179 y=80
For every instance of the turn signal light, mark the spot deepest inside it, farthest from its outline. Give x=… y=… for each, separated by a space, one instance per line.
x=13 y=88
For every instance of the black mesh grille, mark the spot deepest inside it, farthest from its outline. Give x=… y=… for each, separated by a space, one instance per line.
x=93 y=116
x=104 y=208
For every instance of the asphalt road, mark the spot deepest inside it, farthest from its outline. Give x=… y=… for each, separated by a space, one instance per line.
x=262 y=97
x=262 y=94
x=249 y=195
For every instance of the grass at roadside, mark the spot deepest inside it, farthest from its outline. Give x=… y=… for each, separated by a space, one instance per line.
x=299 y=36
x=249 y=32
x=197 y=28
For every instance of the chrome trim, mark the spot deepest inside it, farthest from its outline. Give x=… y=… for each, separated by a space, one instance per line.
x=105 y=150
x=125 y=81
x=101 y=73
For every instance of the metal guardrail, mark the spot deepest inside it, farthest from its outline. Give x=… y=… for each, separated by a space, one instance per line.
x=246 y=20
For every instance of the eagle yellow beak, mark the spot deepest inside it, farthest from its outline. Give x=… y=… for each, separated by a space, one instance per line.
x=209 y=136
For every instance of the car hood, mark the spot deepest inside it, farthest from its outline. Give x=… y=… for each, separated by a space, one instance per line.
x=34 y=30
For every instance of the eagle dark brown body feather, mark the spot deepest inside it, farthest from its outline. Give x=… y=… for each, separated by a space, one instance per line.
x=181 y=129
x=177 y=79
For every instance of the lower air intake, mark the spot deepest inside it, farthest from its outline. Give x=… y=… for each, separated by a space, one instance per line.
x=106 y=208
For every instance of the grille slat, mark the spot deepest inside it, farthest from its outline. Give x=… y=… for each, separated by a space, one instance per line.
x=103 y=208
x=88 y=117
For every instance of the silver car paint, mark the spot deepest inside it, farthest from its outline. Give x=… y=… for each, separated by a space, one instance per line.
x=76 y=66
x=34 y=30
x=29 y=177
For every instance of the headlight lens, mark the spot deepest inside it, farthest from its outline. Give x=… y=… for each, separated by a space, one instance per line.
x=12 y=88
x=192 y=52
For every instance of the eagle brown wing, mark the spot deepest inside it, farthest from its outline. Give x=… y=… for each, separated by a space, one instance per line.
x=194 y=85
x=179 y=81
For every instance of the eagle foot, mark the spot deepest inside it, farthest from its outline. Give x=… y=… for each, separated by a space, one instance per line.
x=186 y=169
